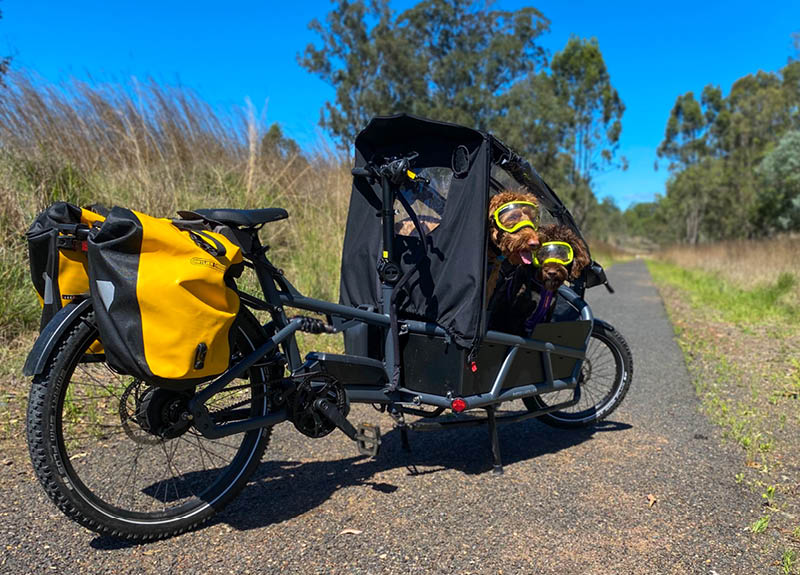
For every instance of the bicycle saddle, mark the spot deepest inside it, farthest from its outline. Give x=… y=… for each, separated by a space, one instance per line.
x=244 y=218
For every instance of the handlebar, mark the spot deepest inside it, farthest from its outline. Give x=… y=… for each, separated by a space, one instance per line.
x=363 y=172
x=396 y=169
x=595 y=275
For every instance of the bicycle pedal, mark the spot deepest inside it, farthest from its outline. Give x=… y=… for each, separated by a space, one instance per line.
x=368 y=439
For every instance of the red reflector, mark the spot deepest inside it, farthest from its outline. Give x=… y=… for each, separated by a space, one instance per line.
x=84 y=246
x=458 y=405
x=473 y=366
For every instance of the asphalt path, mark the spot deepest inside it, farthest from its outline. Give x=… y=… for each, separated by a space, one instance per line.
x=569 y=502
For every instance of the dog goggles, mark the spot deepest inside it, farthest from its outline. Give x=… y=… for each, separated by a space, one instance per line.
x=558 y=252
x=512 y=216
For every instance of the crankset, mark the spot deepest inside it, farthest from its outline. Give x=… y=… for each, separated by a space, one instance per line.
x=319 y=405
x=303 y=411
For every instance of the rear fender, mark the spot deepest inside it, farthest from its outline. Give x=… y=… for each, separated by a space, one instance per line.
x=52 y=334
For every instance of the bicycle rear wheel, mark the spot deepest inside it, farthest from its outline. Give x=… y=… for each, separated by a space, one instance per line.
x=114 y=454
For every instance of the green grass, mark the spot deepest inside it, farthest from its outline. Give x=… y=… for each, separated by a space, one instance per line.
x=789 y=564
x=158 y=149
x=19 y=309
x=760 y=525
x=741 y=349
x=735 y=304
x=607 y=254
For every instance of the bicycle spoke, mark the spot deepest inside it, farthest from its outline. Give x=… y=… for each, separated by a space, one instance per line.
x=131 y=474
x=133 y=464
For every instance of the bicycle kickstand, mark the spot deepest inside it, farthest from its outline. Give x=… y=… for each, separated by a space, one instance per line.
x=497 y=464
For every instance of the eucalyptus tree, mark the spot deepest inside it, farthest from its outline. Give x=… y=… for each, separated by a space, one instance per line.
x=582 y=83
x=451 y=60
x=779 y=195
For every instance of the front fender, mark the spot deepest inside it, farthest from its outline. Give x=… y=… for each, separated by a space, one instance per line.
x=605 y=324
x=52 y=333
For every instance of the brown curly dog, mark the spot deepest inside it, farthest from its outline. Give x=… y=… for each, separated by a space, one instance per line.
x=552 y=275
x=517 y=247
x=513 y=308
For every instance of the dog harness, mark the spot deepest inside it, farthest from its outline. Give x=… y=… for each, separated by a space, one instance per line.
x=498 y=262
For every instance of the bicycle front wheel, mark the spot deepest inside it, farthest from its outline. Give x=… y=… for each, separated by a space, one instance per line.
x=604 y=380
x=114 y=454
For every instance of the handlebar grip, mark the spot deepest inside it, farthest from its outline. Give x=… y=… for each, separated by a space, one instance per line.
x=363 y=172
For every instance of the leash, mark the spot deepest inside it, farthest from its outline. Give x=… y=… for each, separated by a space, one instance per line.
x=541 y=310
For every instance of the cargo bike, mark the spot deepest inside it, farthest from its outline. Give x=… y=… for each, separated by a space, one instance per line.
x=139 y=459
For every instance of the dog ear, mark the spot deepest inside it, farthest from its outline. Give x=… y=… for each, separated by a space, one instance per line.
x=494 y=235
x=580 y=257
x=495 y=202
x=498 y=200
x=547 y=233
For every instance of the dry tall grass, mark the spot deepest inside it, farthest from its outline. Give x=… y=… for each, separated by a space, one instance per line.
x=607 y=254
x=745 y=263
x=157 y=149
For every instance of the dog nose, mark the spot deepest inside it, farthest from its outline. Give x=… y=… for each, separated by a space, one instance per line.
x=533 y=243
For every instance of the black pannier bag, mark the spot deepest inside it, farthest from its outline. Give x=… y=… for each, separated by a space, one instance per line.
x=164 y=297
x=57 y=255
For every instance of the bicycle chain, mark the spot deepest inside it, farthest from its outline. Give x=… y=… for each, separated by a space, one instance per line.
x=258 y=396
x=244 y=402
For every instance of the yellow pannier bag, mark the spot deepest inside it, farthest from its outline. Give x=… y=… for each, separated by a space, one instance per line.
x=164 y=296
x=57 y=255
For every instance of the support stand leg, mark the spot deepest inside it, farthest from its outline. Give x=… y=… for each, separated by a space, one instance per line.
x=400 y=423
x=404 y=438
x=497 y=464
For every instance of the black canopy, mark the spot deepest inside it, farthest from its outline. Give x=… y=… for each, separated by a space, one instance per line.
x=448 y=284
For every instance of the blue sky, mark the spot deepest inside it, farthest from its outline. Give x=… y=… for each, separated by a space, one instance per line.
x=230 y=51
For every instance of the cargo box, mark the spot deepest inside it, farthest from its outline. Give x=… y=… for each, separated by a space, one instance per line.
x=433 y=365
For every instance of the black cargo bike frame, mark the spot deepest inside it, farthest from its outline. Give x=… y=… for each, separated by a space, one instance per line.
x=124 y=457
x=379 y=380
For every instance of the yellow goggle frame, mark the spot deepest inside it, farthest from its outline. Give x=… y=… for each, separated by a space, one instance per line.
x=527 y=222
x=542 y=250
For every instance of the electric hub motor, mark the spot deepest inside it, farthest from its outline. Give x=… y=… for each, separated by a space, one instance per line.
x=159 y=412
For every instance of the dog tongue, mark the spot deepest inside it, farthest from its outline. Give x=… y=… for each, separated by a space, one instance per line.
x=526 y=257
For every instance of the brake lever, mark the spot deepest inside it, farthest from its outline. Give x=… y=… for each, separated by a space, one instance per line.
x=414 y=177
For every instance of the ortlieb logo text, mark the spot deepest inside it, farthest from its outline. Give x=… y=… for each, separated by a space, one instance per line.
x=207 y=263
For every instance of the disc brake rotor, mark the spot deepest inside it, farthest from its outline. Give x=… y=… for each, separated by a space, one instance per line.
x=136 y=390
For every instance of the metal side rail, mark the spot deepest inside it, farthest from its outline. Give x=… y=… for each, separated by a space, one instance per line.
x=478 y=421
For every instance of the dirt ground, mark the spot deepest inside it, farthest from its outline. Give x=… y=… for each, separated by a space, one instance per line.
x=652 y=490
